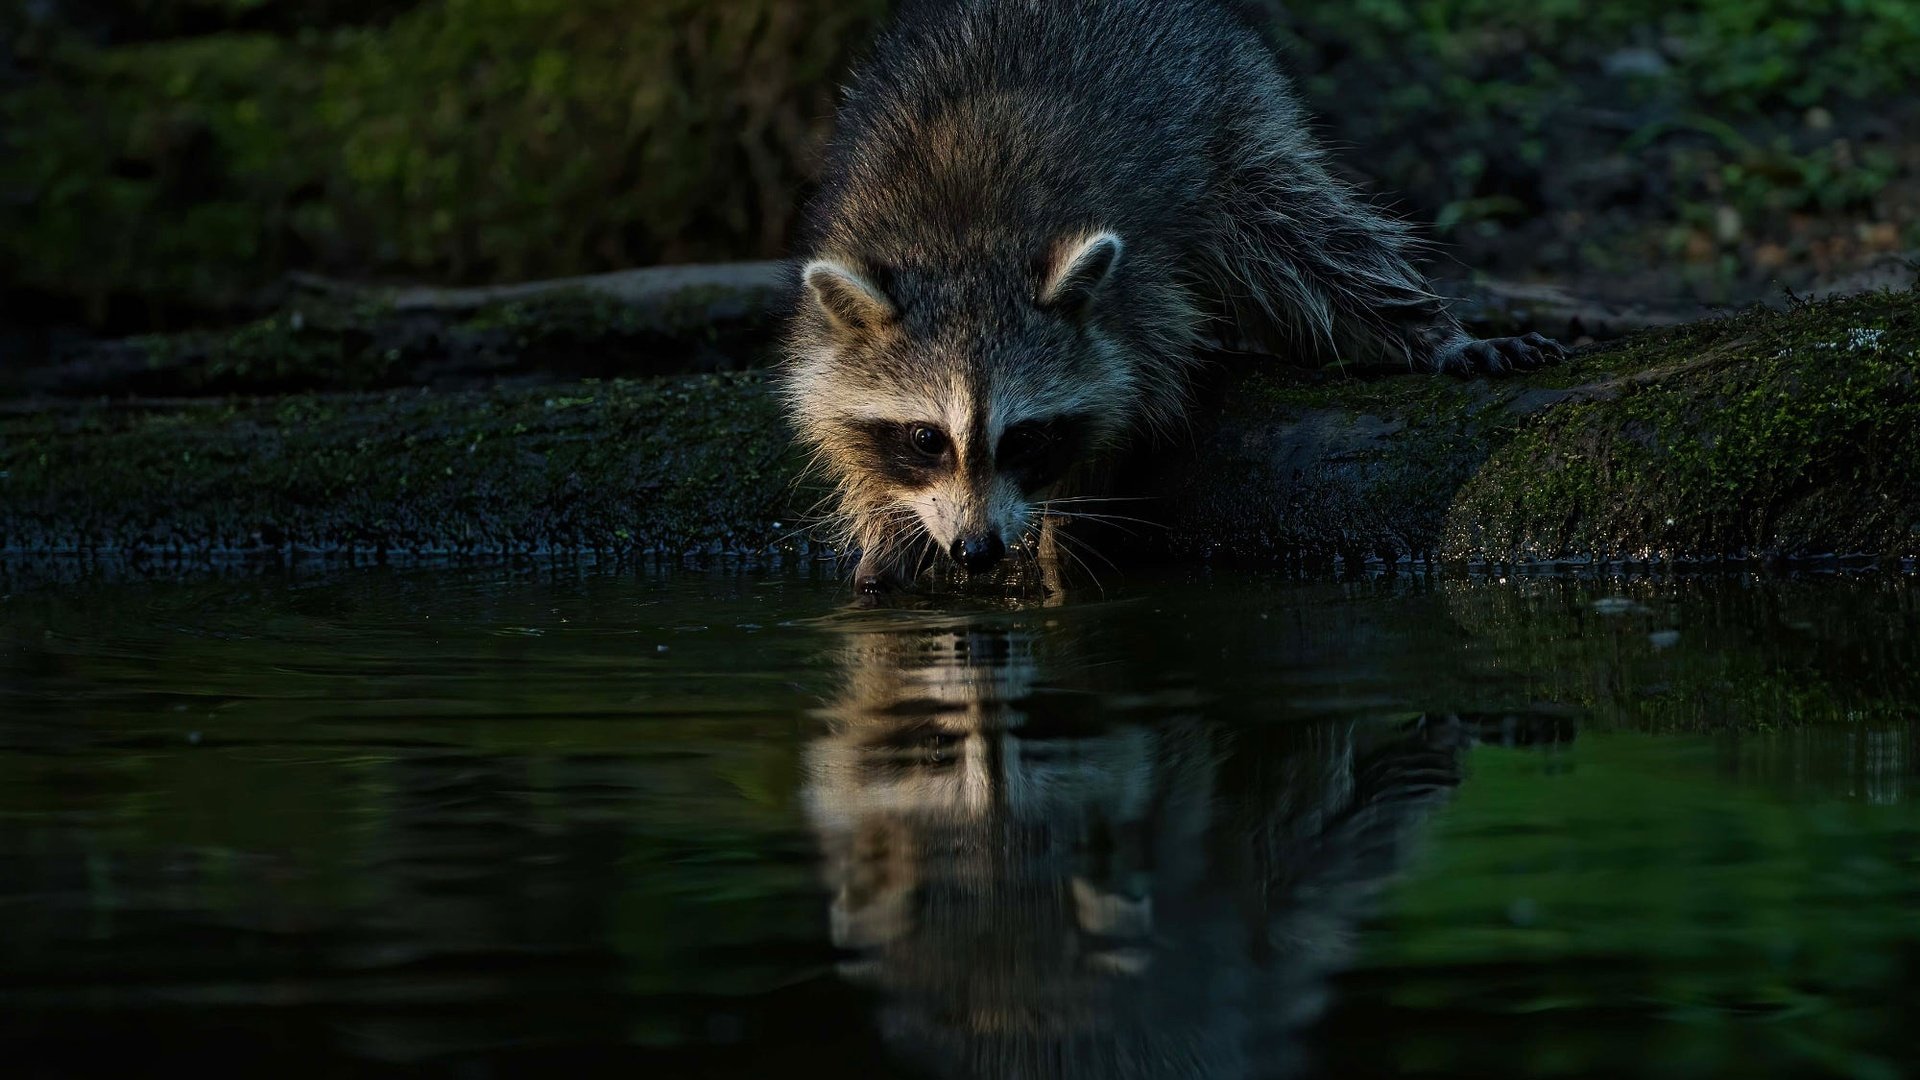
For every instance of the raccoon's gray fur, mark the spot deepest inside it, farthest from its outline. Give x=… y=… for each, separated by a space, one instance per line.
x=1033 y=213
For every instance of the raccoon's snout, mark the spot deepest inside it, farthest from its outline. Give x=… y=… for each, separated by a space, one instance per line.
x=980 y=552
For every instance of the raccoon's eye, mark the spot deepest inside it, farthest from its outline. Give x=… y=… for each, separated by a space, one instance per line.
x=931 y=442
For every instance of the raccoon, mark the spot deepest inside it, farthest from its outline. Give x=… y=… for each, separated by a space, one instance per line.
x=1033 y=216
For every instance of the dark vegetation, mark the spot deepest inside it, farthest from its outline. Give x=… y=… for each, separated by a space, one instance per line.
x=168 y=163
x=168 y=167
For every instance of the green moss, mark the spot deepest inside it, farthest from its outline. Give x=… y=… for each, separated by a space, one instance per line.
x=693 y=465
x=1771 y=433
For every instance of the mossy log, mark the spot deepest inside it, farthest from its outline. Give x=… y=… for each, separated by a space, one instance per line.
x=658 y=320
x=1773 y=434
x=654 y=321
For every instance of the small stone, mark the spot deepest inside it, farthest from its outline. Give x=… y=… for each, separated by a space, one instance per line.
x=1878 y=235
x=1818 y=119
x=1636 y=62
x=1726 y=224
x=660 y=648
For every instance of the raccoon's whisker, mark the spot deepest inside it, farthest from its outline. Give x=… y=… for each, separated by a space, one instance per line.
x=1027 y=546
x=1072 y=548
x=1077 y=544
x=1082 y=563
x=1109 y=519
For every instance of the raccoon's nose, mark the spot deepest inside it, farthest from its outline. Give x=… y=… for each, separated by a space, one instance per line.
x=978 y=553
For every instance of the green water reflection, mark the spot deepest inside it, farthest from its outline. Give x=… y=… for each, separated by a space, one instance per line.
x=491 y=822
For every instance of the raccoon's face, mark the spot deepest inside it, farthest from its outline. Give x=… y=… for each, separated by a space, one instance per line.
x=949 y=403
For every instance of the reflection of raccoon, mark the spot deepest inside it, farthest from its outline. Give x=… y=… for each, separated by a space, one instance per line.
x=1033 y=213
x=1036 y=889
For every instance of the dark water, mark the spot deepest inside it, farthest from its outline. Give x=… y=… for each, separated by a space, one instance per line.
x=485 y=823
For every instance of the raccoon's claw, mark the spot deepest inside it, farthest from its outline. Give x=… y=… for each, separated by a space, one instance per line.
x=1498 y=356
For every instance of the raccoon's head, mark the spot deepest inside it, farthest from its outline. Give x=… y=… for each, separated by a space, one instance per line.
x=947 y=397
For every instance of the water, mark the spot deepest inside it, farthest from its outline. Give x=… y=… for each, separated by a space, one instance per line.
x=493 y=822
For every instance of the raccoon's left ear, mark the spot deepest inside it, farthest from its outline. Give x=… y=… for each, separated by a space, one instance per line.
x=1079 y=272
x=848 y=298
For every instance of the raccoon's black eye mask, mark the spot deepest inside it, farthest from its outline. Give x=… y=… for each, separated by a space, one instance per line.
x=1033 y=454
x=904 y=454
x=1036 y=453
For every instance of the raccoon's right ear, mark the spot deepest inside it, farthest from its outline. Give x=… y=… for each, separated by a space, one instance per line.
x=849 y=300
x=1079 y=270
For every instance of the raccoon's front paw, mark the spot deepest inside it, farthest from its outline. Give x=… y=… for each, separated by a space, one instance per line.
x=1498 y=356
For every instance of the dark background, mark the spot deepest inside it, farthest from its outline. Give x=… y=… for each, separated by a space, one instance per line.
x=166 y=165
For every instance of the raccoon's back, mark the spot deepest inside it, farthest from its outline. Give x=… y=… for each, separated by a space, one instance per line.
x=998 y=122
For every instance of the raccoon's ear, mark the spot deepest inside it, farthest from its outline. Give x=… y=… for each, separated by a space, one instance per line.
x=849 y=300
x=1079 y=272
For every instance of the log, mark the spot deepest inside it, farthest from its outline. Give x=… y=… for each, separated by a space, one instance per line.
x=658 y=320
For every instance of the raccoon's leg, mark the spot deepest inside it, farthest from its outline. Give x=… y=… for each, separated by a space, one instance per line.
x=1303 y=255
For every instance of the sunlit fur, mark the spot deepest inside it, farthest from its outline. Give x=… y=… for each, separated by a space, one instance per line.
x=983 y=145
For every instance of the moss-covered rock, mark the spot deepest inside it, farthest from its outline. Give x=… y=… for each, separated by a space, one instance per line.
x=676 y=466
x=1774 y=433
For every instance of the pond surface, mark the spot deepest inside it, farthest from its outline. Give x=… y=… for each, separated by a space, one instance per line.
x=503 y=822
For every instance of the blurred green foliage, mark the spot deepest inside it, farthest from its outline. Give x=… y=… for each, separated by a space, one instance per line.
x=1509 y=92
x=186 y=155
x=465 y=140
x=1737 y=55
